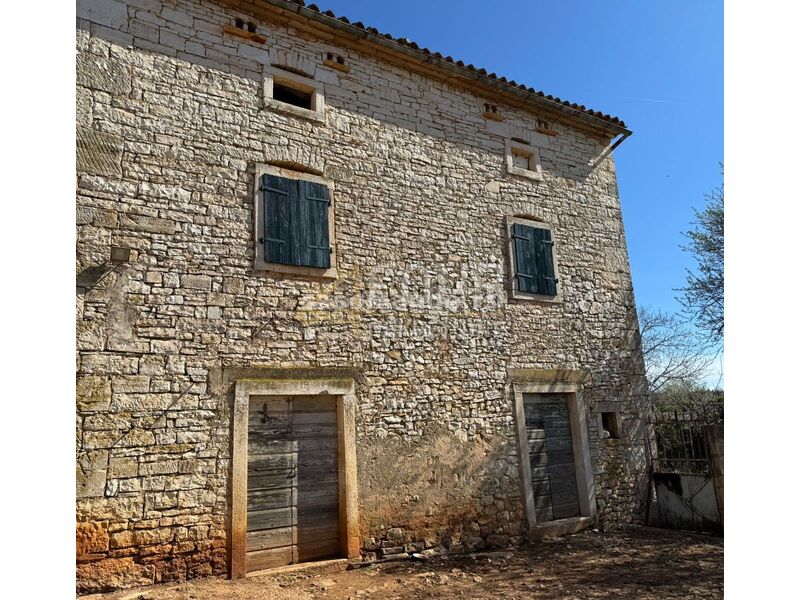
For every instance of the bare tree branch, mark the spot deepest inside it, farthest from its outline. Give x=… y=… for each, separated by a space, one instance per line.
x=672 y=350
x=704 y=294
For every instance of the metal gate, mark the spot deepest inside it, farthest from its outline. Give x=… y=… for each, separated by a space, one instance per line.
x=685 y=470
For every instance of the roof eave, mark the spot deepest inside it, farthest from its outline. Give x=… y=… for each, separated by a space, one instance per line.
x=456 y=71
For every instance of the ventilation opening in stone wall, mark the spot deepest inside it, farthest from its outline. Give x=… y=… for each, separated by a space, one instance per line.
x=610 y=424
x=289 y=95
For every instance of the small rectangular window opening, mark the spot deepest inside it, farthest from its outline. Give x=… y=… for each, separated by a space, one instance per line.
x=521 y=160
x=610 y=425
x=289 y=95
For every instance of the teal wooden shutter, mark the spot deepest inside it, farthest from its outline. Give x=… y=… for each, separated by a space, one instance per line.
x=296 y=222
x=279 y=194
x=525 y=258
x=548 y=269
x=533 y=256
x=317 y=248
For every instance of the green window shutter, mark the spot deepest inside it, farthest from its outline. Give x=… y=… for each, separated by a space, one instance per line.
x=525 y=258
x=533 y=255
x=316 y=251
x=548 y=269
x=296 y=222
x=279 y=195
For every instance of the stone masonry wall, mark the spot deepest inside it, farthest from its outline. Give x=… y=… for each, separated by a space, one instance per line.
x=169 y=125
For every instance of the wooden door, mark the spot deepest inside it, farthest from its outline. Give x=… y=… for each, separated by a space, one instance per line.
x=292 y=480
x=552 y=460
x=314 y=421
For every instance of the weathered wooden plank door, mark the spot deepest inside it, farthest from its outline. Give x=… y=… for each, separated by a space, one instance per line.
x=292 y=481
x=552 y=460
x=314 y=420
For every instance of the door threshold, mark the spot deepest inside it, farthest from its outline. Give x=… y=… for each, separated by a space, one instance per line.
x=317 y=567
x=559 y=527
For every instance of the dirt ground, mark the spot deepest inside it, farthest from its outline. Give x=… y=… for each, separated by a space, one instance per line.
x=630 y=563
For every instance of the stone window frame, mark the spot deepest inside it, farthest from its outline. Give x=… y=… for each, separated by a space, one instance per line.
x=343 y=390
x=302 y=83
x=512 y=146
x=581 y=449
x=512 y=262
x=260 y=263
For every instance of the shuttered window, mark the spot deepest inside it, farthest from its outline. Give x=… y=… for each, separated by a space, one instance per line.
x=296 y=228
x=534 y=267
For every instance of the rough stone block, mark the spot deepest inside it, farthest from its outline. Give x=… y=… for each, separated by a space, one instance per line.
x=99 y=152
x=104 y=75
x=151 y=364
x=93 y=393
x=153 y=277
x=144 y=31
x=259 y=55
x=109 y=508
x=233 y=285
x=111 y=574
x=196 y=282
x=172 y=40
x=109 y=13
x=91 y=474
x=135 y=384
x=122 y=467
x=91 y=540
x=110 y=34
x=177 y=16
x=145 y=224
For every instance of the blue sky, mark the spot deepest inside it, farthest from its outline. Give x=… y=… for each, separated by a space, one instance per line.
x=657 y=64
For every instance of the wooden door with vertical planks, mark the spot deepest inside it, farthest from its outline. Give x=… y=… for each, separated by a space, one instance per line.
x=552 y=459
x=292 y=480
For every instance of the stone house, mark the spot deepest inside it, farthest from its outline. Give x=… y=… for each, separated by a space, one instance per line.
x=337 y=296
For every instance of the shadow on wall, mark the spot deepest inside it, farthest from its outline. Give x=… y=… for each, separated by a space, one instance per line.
x=626 y=466
x=91 y=276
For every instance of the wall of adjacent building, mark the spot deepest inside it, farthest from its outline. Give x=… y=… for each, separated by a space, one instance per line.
x=169 y=125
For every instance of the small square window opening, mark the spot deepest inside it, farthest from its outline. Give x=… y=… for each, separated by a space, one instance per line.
x=610 y=425
x=521 y=160
x=283 y=93
x=294 y=94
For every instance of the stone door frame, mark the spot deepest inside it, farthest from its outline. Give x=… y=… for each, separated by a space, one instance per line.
x=580 y=445
x=343 y=390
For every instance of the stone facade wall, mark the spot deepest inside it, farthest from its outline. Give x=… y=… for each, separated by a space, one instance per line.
x=169 y=125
